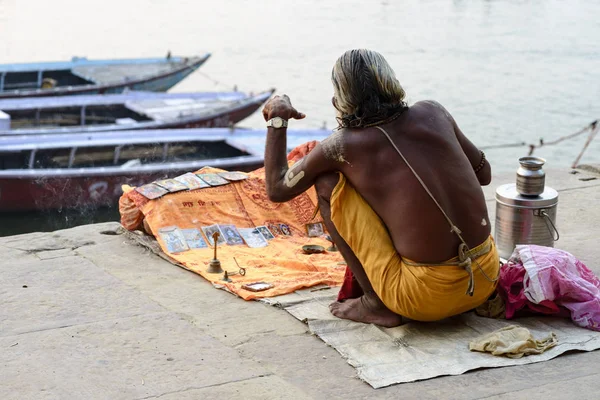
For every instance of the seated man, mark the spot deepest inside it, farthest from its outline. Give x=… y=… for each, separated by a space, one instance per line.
x=399 y=192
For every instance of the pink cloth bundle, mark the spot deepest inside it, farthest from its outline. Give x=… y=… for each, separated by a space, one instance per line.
x=550 y=281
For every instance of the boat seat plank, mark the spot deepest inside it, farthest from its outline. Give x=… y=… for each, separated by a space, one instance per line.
x=112 y=74
x=96 y=100
x=172 y=109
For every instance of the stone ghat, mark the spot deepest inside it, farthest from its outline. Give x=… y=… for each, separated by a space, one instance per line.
x=89 y=313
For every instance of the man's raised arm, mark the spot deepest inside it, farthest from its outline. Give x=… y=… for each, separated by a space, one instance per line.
x=285 y=183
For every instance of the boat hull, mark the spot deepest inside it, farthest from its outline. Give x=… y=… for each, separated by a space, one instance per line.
x=55 y=193
x=223 y=118
x=32 y=189
x=158 y=83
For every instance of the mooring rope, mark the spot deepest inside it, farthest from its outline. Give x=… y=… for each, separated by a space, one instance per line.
x=592 y=128
x=591 y=137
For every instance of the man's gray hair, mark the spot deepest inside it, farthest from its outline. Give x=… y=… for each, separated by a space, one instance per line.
x=366 y=90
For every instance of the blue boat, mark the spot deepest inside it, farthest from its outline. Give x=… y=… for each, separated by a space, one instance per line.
x=83 y=76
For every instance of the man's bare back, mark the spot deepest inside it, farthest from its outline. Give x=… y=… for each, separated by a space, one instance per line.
x=434 y=146
x=429 y=139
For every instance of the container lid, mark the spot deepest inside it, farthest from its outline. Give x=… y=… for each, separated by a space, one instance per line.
x=507 y=194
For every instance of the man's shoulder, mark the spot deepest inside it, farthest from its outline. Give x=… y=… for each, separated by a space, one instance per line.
x=428 y=104
x=345 y=141
x=352 y=136
x=342 y=135
x=334 y=145
x=430 y=107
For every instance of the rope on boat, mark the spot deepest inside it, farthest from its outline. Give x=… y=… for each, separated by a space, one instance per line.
x=216 y=82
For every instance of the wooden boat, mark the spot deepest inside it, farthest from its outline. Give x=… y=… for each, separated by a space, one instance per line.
x=42 y=172
x=83 y=76
x=126 y=111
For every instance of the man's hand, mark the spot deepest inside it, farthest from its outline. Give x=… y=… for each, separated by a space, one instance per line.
x=281 y=106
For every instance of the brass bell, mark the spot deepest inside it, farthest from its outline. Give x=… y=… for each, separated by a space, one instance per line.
x=214 y=267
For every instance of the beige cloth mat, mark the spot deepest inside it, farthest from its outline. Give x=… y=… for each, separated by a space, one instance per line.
x=418 y=351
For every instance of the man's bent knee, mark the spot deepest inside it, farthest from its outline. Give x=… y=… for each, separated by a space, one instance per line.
x=325 y=184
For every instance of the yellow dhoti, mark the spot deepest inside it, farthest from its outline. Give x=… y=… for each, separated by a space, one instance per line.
x=419 y=292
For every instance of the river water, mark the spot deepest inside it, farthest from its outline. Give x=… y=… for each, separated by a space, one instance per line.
x=508 y=70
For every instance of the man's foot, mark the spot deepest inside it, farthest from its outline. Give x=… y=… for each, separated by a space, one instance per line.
x=364 y=309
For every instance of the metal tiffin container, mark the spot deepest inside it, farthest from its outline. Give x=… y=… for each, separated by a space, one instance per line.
x=524 y=219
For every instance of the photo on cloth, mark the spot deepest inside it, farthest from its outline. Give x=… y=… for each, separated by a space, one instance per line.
x=173 y=239
x=257 y=286
x=315 y=229
x=151 y=191
x=265 y=232
x=253 y=237
x=171 y=185
x=213 y=179
x=209 y=231
x=232 y=236
x=194 y=238
x=191 y=181
x=233 y=176
x=285 y=230
x=274 y=228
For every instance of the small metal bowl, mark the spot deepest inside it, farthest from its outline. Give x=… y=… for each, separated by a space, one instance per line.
x=313 y=248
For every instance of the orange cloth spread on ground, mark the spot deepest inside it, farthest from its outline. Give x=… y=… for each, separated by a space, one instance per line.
x=245 y=205
x=422 y=293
